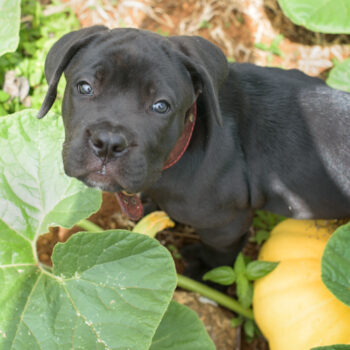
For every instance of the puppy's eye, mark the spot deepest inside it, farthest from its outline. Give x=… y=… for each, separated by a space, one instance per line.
x=160 y=107
x=85 y=88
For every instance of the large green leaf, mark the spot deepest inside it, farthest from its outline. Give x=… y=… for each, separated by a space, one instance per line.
x=339 y=76
x=34 y=191
x=10 y=15
x=107 y=290
x=325 y=16
x=181 y=329
x=336 y=264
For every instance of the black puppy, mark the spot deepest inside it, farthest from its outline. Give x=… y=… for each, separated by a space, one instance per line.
x=207 y=141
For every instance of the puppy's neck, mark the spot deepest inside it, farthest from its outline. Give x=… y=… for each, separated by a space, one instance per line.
x=184 y=140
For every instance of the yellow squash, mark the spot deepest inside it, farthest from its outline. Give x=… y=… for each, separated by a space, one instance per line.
x=153 y=223
x=292 y=306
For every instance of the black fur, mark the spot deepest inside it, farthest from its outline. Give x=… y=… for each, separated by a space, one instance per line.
x=265 y=138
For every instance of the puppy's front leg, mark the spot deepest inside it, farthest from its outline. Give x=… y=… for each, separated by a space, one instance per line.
x=219 y=246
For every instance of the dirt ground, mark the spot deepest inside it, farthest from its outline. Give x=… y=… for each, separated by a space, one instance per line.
x=234 y=25
x=237 y=26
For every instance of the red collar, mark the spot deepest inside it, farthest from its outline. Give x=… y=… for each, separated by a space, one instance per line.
x=130 y=203
x=184 y=140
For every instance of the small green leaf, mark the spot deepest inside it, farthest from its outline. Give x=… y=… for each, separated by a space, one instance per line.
x=323 y=16
x=258 y=269
x=333 y=347
x=339 y=76
x=244 y=291
x=162 y=32
x=237 y=321
x=262 y=46
x=223 y=275
x=204 y=24
x=249 y=328
x=181 y=329
x=336 y=264
x=260 y=236
x=265 y=220
x=277 y=40
x=239 y=265
x=274 y=46
x=244 y=287
x=174 y=251
x=10 y=13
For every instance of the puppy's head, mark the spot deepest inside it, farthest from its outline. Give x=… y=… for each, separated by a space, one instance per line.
x=127 y=95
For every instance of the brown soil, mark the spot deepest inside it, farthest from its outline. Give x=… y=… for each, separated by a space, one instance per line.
x=236 y=26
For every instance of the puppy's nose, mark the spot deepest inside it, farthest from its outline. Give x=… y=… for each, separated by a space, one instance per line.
x=106 y=144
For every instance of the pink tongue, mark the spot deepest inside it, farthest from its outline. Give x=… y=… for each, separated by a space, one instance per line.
x=131 y=205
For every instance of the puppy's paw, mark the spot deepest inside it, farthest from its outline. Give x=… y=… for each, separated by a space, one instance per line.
x=195 y=268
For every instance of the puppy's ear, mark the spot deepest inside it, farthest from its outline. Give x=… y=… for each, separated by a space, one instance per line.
x=207 y=66
x=59 y=57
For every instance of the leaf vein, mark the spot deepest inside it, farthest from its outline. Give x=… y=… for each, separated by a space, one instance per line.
x=85 y=319
x=25 y=308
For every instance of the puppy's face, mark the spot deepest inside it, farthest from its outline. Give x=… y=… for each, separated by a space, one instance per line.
x=127 y=96
x=123 y=110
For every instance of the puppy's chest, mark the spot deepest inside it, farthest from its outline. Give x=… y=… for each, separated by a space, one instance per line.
x=200 y=209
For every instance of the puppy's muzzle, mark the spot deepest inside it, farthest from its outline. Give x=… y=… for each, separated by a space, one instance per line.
x=106 y=144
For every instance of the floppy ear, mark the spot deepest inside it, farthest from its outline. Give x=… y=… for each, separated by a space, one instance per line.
x=59 y=57
x=207 y=66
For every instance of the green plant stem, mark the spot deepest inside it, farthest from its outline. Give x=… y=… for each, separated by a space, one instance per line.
x=89 y=226
x=220 y=298
x=191 y=285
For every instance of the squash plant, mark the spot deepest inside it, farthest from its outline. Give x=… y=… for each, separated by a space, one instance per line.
x=325 y=17
x=106 y=290
x=292 y=305
x=319 y=15
x=242 y=273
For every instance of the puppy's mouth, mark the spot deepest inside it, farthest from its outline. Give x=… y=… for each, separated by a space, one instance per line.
x=99 y=178
x=129 y=203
